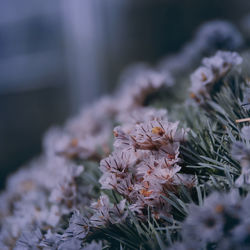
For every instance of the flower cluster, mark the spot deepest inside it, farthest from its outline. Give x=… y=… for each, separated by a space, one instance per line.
x=103 y=214
x=219 y=223
x=52 y=187
x=38 y=196
x=145 y=164
x=87 y=135
x=137 y=82
x=211 y=72
x=33 y=239
x=84 y=134
x=150 y=168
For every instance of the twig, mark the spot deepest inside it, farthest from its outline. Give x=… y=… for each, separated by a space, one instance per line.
x=243 y=120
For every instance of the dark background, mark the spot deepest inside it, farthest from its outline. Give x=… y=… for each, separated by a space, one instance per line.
x=57 y=56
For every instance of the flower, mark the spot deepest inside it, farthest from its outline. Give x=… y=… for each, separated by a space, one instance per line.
x=72 y=243
x=222 y=62
x=105 y=213
x=65 y=193
x=137 y=83
x=204 y=226
x=212 y=70
x=139 y=115
x=214 y=220
x=79 y=226
x=50 y=241
x=29 y=240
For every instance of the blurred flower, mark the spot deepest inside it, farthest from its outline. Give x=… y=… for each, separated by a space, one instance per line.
x=78 y=226
x=106 y=213
x=214 y=220
x=65 y=193
x=29 y=240
x=212 y=70
x=210 y=37
x=71 y=243
x=50 y=241
x=137 y=83
x=144 y=164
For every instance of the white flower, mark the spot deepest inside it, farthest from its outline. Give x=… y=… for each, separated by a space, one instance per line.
x=50 y=241
x=215 y=219
x=201 y=77
x=29 y=240
x=137 y=83
x=102 y=208
x=222 y=62
x=139 y=115
x=79 y=226
x=65 y=192
x=212 y=70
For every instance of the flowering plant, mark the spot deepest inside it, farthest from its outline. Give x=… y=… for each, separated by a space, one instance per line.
x=127 y=174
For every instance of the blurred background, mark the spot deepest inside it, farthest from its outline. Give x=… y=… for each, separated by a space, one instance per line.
x=57 y=56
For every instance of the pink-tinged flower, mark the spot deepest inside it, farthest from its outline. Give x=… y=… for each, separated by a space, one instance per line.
x=137 y=83
x=117 y=163
x=79 y=226
x=212 y=70
x=222 y=62
x=141 y=114
x=155 y=134
x=65 y=192
x=126 y=188
x=145 y=163
x=115 y=168
x=105 y=212
x=151 y=135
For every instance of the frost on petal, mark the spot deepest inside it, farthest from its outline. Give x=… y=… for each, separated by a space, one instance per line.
x=115 y=168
